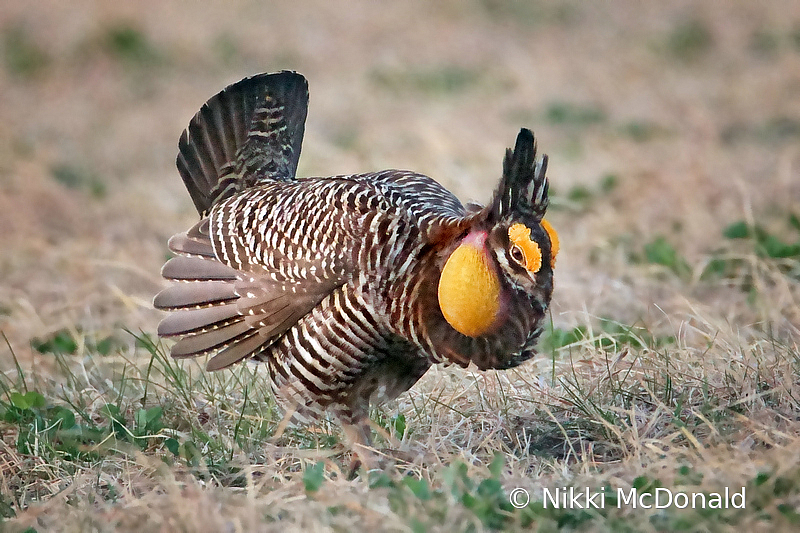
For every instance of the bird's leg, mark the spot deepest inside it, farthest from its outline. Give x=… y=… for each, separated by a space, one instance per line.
x=358 y=435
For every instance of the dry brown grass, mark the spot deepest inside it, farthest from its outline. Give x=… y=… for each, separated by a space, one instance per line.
x=678 y=377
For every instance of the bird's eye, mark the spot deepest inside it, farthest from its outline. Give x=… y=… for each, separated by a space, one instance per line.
x=524 y=250
x=517 y=255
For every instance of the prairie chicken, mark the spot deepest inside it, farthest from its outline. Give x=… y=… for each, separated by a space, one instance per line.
x=347 y=287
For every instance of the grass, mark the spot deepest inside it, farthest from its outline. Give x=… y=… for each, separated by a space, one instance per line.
x=23 y=56
x=671 y=357
x=775 y=131
x=580 y=198
x=131 y=45
x=689 y=40
x=562 y=113
x=437 y=81
x=74 y=177
x=623 y=407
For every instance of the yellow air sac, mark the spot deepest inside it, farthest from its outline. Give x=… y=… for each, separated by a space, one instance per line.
x=469 y=291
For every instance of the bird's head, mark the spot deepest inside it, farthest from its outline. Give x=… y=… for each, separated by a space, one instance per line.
x=502 y=265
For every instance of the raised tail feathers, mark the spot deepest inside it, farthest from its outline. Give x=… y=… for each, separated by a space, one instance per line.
x=250 y=130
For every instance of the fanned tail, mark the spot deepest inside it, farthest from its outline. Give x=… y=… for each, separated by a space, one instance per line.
x=249 y=131
x=203 y=303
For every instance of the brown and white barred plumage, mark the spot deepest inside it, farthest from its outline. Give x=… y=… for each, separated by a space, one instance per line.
x=333 y=281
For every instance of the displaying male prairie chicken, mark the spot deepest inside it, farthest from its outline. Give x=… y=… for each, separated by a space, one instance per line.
x=347 y=287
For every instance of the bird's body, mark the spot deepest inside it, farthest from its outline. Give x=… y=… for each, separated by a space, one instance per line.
x=348 y=287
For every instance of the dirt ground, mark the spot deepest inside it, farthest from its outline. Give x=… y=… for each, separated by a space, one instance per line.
x=665 y=122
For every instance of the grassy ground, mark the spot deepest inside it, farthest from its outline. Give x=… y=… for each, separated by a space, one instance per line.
x=672 y=356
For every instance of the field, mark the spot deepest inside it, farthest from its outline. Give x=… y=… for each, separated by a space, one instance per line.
x=671 y=358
